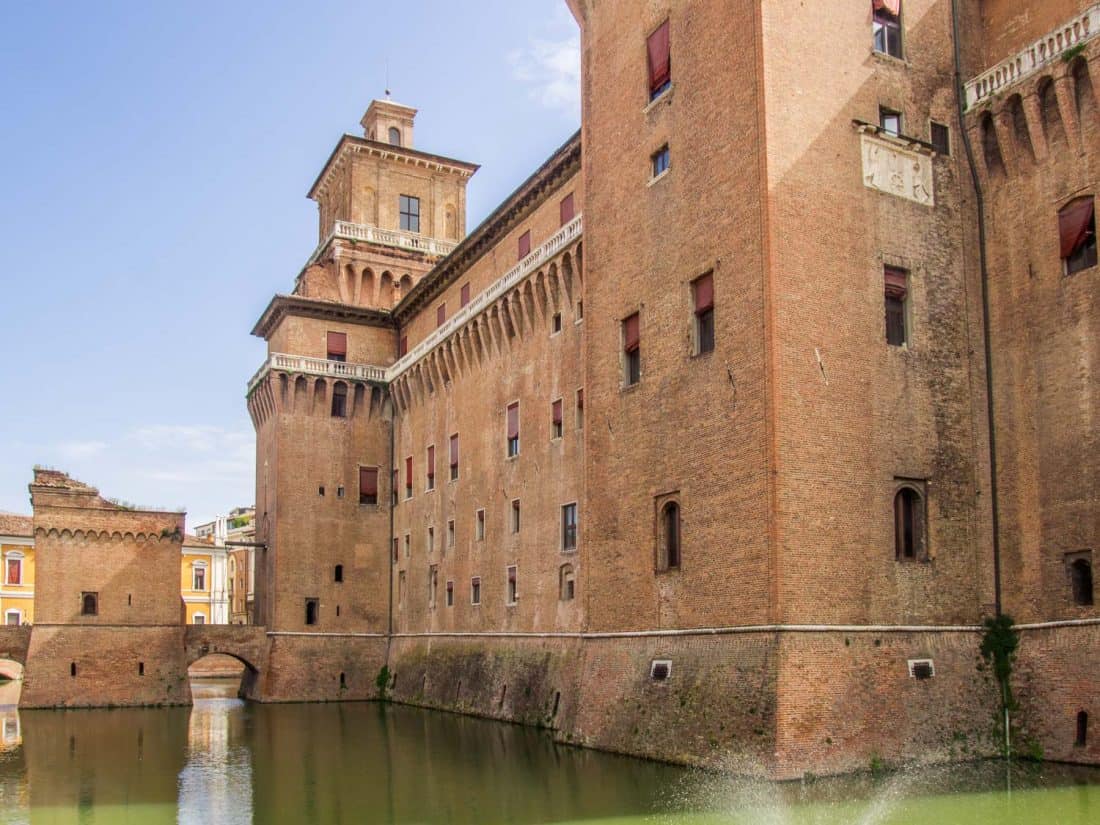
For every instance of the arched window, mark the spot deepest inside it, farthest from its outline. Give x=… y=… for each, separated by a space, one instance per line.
x=1080 y=574
x=89 y=604
x=395 y=136
x=567 y=583
x=909 y=525
x=311 y=611
x=1082 y=729
x=668 y=526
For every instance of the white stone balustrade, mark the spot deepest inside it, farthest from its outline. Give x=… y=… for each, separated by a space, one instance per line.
x=1043 y=52
x=413 y=241
x=365 y=372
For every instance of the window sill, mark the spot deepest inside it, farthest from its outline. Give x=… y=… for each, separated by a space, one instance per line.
x=663 y=97
x=701 y=355
x=890 y=59
x=627 y=388
x=656 y=178
x=512 y=457
x=569 y=551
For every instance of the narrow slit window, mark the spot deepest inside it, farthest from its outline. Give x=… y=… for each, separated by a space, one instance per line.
x=703 y=293
x=480 y=525
x=567 y=587
x=475 y=590
x=340 y=401
x=909 y=525
x=450 y=593
x=513 y=585
x=338 y=574
x=515 y=516
x=451 y=534
x=669 y=537
x=632 y=350
x=312 y=607
x=569 y=527
x=1080 y=572
x=408 y=477
x=513 y=430
x=896 y=300
x=580 y=409
x=454 y=457
x=430 y=467
x=556 y=427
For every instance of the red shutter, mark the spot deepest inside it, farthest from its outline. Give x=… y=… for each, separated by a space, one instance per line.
x=440 y=314
x=1073 y=224
x=567 y=213
x=556 y=411
x=631 y=334
x=14 y=571
x=403 y=347
x=891 y=6
x=368 y=481
x=409 y=473
x=431 y=462
x=660 y=61
x=897 y=282
x=337 y=343
x=525 y=244
x=454 y=450
x=465 y=295
x=704 y=294
x=513 y=421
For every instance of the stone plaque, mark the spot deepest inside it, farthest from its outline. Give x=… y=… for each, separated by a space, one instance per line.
x=896 y=170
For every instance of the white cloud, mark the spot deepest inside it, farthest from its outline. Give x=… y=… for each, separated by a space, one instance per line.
x=78 y=450
x=551 y=68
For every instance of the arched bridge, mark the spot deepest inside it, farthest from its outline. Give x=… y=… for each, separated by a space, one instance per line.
x=14 y=642
x=246 y=643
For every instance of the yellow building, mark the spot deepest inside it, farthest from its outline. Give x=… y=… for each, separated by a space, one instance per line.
x=16 y=569
x=203 y=581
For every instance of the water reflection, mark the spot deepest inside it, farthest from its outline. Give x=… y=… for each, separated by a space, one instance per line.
x=225 y=761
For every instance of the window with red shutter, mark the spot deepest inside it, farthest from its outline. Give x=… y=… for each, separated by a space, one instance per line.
x=440 y=314
x=580 y=409
x=556 y=419
x=368 y=485
x=454 y=456
x=703 y=291
x=1077 y=234
x=896 y=293
x=567 y=210
x=431 y=467
x=337 y=346
x=409 y=477
x=403 y=347
x=525 y=244
x=464 y=295
x=658 y=51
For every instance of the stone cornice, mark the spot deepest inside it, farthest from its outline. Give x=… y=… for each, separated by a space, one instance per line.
x=516 y=207
x=349 y=145
x=284 y=305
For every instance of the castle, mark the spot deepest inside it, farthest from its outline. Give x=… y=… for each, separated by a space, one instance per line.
x=725 y=431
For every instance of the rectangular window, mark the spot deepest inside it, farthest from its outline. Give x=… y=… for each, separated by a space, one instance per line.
x=441 y=315
x=13 y=618
x=433 y=581
x=515 y=516
x=580 y=409
x=632 y=350
x=555 y=323
x=886 y=27
x=199 y=619
x=659 y=61
x=1077 y=234
x=339 y=492
x=556 y=419
x=889 y=120
x=408 y=545
x=896 y=295
x=475 y=590
x=525 y=244
x=454 y=457
x=450 y=593
x=513 y=590
x=431 y=540
x=464 y=295
x=403 y=346
x=941 y=138
x=313 y=607
x=409 y=477
x=431 y=467
x=569 y=527
x=337 y=346
x=396 y=550
x=566 y=209
x=513 y=430
x=14 y=572
x=661 y=161
x=339 y=400
x=410 y=213
x=451 y=534
x=199 y=578
x=480 y=526
x=703 y=293
x=368 y=485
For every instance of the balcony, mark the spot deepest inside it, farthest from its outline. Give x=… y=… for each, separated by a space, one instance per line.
x=319 y=367
x=1076 y=31
x=412 y=241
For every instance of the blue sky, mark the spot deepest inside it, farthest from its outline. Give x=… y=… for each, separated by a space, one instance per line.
x=154 y=159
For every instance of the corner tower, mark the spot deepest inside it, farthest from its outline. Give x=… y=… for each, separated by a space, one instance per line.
x=320 y=405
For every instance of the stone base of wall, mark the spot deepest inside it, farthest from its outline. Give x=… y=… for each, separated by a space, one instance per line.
x=307 y=668
x=1057 y=676
x=114 y=666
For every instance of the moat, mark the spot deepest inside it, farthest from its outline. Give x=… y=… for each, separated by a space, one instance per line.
x=230 y=762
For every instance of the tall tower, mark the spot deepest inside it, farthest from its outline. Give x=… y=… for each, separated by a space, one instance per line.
x=319 y=402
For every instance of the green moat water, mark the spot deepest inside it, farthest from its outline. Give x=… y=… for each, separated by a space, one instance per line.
x=227 y=762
